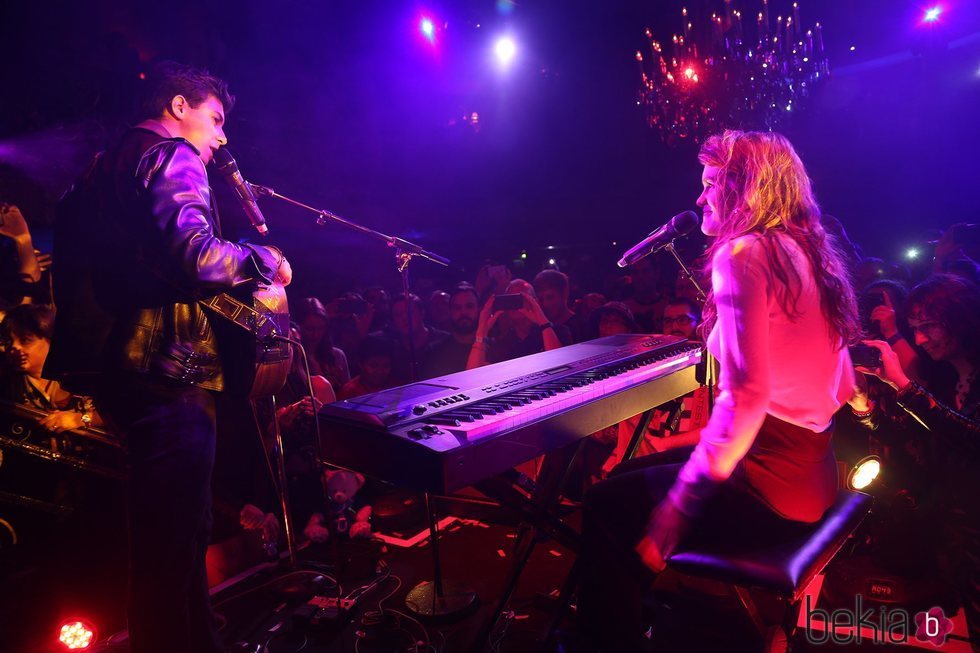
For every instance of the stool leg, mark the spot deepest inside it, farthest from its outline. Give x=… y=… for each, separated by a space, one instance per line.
x=751 y=609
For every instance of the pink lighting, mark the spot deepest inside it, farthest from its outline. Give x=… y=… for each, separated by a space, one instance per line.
x=932 y=15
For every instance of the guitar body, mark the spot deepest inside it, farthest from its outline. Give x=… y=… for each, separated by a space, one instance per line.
x=253 y=367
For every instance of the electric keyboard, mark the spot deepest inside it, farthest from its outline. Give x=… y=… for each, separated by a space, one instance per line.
x=449 y=432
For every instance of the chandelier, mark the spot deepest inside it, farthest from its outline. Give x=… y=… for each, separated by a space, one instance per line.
x=720 y=75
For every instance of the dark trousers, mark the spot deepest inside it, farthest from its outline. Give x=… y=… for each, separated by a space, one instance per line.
x=615 y=514
x=169 y=430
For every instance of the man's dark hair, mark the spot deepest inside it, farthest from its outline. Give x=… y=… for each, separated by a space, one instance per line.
x=169 y=78
x=551 y=280
x=464 y=288
x=27 y=320
x=692 y=306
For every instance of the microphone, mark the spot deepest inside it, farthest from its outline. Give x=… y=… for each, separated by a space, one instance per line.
x=229 y=169
x=679 y=225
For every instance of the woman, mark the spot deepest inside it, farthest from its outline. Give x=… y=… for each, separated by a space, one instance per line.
x=778 y=318
x=325 y=360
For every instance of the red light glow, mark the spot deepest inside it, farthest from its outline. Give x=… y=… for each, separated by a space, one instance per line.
x=76 y=635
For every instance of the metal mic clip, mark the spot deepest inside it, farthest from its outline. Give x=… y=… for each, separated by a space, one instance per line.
x=261 y=191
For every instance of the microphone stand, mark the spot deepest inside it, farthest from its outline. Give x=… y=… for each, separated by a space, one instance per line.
x=709 y=360
x=428 y=598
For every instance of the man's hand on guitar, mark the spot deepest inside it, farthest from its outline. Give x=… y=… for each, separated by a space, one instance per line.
x=62 y=420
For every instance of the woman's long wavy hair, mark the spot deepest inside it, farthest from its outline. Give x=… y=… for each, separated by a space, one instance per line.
x=765 y=191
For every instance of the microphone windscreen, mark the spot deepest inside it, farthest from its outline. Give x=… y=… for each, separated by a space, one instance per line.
x=224 y=158
x=683 y=223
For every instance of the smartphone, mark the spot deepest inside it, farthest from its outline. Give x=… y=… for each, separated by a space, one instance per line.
x=352 y=306
x=510 y=302
x=865 y=356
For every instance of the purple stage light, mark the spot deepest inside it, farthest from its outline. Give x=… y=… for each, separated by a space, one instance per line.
x=505 y=49
x=932 y=15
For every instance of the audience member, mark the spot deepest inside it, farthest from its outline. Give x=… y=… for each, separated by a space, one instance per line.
x=526 y=330
x=551 y=287
x=451 y=354
x=25 y=339
x=314 y=328
x=647 y=298
x=610 y=319
x=377 y=356
x=492 y=279
x=681 y=318
x=437 y=311
x=587 y=304
x=677 y=423
x=379 y=308
x=351 y=317
x=424 y=339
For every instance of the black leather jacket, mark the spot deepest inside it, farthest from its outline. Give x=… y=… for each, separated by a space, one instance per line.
x=137 y=244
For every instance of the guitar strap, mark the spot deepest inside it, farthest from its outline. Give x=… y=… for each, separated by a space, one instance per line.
x=258 y=324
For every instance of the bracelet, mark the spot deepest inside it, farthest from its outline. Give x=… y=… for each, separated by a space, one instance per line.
x=480 y=340
x=895 y=338
x=864 y=413
x=547 y=325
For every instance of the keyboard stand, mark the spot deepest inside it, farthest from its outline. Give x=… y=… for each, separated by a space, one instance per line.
x=540 y=522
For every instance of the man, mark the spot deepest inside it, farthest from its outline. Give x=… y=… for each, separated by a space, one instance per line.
x=647 y=299
x=425 y=338
x=551 y=287
x=676 y=424
x=137 y=247
x=451 y=354
x=681 y=318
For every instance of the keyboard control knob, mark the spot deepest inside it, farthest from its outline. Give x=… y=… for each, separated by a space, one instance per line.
x=419 y=409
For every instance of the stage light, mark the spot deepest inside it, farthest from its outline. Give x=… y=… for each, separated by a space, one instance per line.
x=76 y=635
x=912 y=253
x=551 y=261
x=428 y=29
x=864 y=473
x=852 y=48
x=505 y=49
x=523 y=255
x=932 y=15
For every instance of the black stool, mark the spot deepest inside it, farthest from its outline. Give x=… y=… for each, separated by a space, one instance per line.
x=779 y=556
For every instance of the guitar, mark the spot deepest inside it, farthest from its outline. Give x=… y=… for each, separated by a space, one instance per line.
x=255 y=361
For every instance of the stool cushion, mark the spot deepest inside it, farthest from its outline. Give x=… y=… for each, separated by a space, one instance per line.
x=766 y=551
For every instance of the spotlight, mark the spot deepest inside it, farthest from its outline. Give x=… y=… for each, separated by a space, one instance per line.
x=505 y=49
x=523 y=255
x=912 y=253
x=76 y=635
x=864 y=473
x=932 y=15
x=551 y=261
x=428 y=29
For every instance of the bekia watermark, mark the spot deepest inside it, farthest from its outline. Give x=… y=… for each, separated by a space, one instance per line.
x=882 y=626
